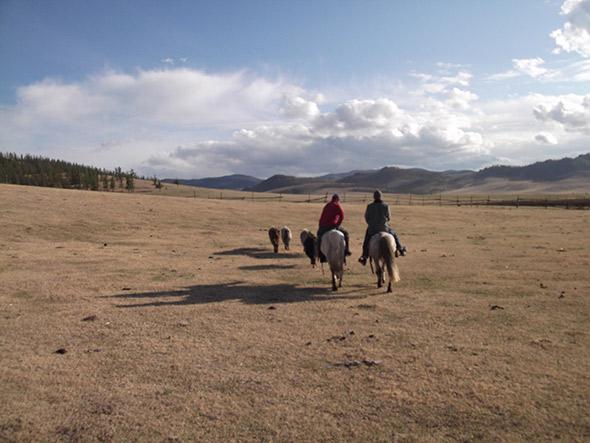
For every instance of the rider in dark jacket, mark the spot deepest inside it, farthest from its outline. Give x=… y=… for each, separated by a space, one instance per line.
x=377 y=217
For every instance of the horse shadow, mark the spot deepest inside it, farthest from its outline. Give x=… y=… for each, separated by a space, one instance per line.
x=237 y=290
x=259 y=253
x=265 y=267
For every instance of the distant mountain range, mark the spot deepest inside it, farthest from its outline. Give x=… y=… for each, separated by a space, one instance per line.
x=235 y=181
x=564 y=175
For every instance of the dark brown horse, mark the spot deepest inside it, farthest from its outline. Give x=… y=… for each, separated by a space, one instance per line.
x=308 y=240
x=275 y=237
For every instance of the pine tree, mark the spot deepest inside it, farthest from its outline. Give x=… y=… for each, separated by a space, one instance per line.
x=129 y=182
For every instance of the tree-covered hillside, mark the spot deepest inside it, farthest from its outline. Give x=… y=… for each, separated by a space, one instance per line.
x=40 y=171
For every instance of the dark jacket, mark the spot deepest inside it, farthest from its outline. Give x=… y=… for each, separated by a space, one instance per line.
x=377 y=216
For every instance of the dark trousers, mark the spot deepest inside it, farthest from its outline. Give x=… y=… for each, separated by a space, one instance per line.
x=325 y=229
x=370 y=233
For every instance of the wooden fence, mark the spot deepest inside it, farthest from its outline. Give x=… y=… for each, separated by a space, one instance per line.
x=549 y=201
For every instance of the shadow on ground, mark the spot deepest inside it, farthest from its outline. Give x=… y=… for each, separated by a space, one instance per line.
x=249 y=294
x=259 y=253
x=265 y=267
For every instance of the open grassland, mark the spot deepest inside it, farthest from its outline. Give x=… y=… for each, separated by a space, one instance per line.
x=195 y=330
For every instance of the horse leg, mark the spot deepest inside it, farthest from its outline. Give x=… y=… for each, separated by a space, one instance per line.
x=389 y=287
x=379 y=271
x=334 y=288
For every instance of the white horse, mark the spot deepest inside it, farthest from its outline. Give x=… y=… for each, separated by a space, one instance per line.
x=333 y=247
x=286 y=236
x=382 y=253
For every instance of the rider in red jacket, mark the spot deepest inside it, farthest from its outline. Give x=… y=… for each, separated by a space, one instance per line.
x=331 y=218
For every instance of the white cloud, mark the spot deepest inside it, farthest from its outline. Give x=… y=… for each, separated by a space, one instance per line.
x=168 y=61
x=434 y=84
x=189 y=123
x=574 y=36
x=546 y=138
x=359 y=115
x=356 y=134
x=461 y=99
x=297 y=107
x=141 y=113
x=572 y=112
x=532 y=67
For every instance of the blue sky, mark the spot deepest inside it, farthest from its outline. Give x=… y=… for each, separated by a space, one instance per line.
x=190 y=88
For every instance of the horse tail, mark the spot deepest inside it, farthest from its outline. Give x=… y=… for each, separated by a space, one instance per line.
x=336 y=257
x=387 y=252
x=333 y=247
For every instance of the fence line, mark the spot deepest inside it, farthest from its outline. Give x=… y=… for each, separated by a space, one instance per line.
x=422 y=200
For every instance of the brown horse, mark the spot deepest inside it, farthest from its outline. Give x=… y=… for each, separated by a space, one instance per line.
x=275 y=236
x=382 y=254
x=308 y=241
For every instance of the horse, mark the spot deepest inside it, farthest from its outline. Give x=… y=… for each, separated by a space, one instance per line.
x=333 y=247
x=286 y=237
x=274 y=234
x=382 y=253
x=308 y=241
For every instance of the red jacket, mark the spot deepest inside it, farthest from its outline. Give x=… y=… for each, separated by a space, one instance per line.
x=332 y=215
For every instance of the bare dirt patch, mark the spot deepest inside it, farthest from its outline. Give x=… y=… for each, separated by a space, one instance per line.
x=179 y=323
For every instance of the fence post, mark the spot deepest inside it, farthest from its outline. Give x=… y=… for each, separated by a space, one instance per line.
x=546 y=203
x=471 y=201
x=221 y=196
x=517 y=201
x=422 y=200
x=458 y=204
x=488 y=202
x=194 y=194
x=440 y=199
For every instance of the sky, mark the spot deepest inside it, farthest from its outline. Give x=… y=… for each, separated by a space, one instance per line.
x=192 y=89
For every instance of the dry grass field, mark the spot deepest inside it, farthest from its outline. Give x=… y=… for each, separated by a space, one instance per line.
x=177 y=323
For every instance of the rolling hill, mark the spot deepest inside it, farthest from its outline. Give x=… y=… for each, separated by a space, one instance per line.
x=563 y=175
x=235 y=181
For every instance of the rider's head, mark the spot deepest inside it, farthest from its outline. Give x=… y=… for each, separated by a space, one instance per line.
x=335 y=198
x=377 y=195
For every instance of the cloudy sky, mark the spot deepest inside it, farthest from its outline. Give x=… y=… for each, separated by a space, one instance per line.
x=192 y=89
